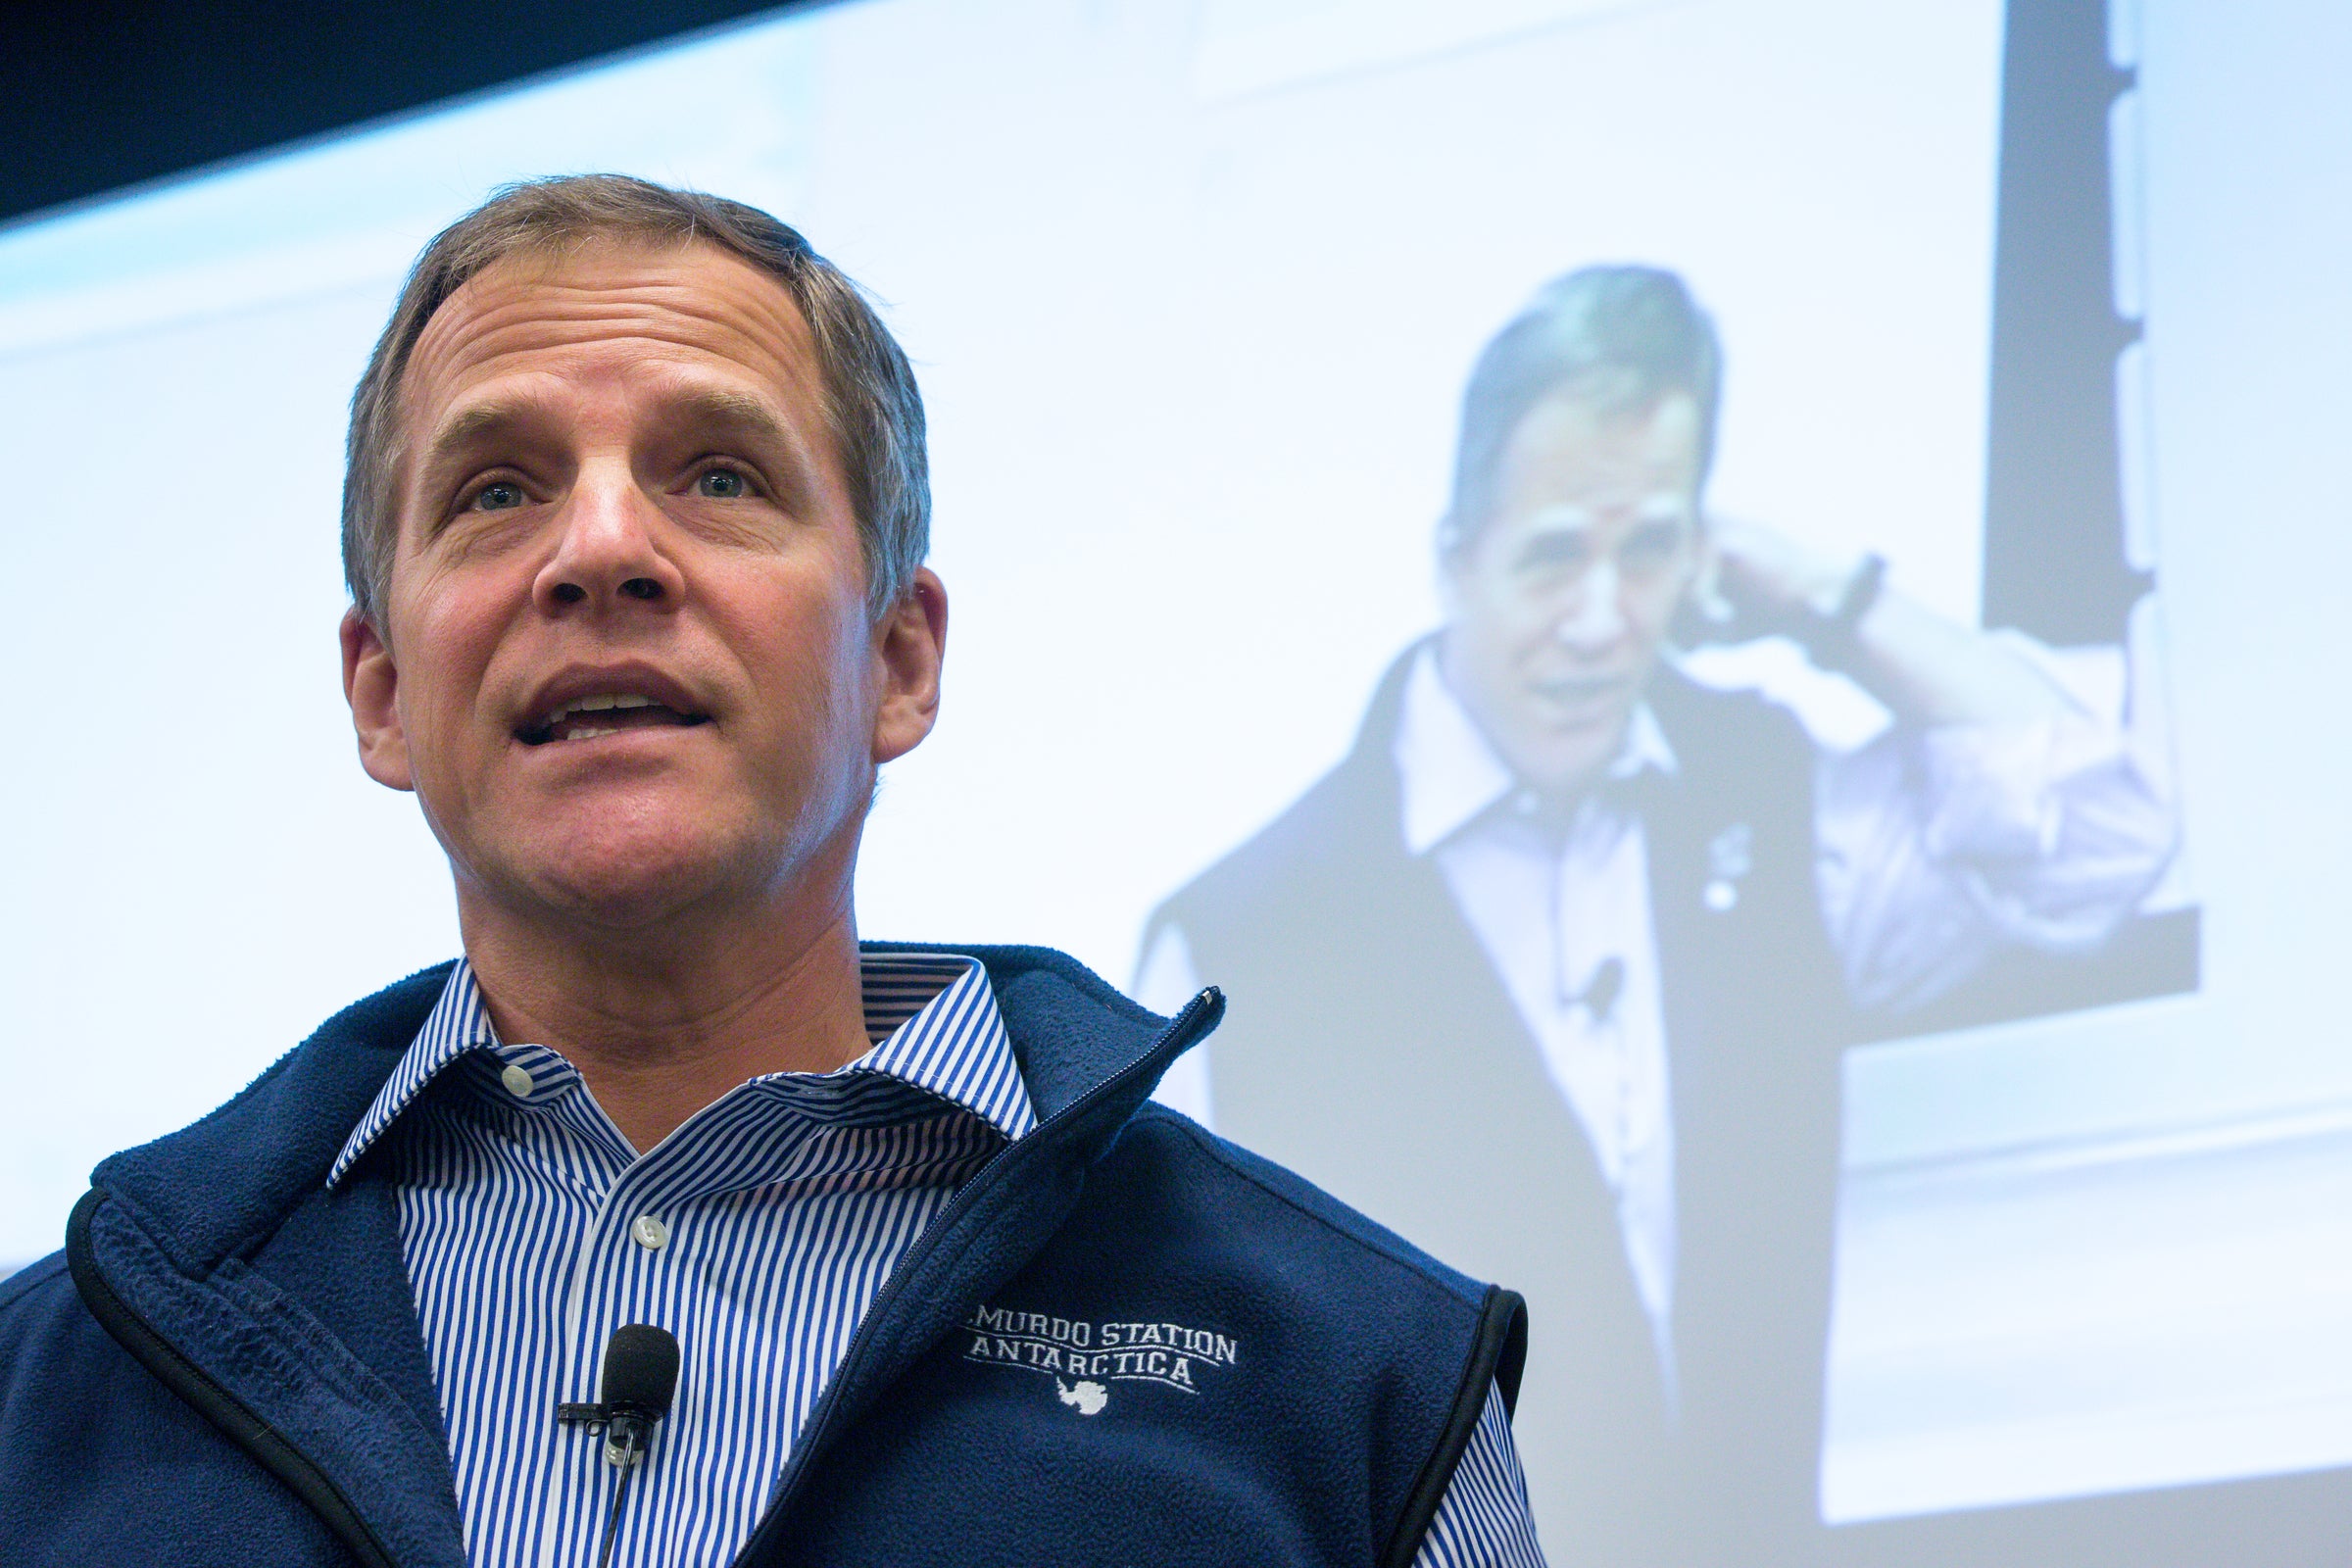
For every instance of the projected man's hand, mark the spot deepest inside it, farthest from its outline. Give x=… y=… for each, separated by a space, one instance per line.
x=1771 y=581
x=1927 y=668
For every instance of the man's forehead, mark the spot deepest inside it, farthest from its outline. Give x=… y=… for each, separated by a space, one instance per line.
x=619 y=303
x=1664 y=427
x=1572 y=444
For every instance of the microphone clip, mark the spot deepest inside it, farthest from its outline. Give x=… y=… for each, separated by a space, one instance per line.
x=626 y=1429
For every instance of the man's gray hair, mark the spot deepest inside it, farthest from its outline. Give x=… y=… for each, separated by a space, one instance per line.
x=872 y=407
x=1616 y=337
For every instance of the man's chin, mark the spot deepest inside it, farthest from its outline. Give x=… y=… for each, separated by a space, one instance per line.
x=1569 y=757
x=619 y=881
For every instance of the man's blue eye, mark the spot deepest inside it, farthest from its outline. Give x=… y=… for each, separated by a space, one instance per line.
x=497 y=497
x=723 y=483
x=1554 y=550
x=1653 y=545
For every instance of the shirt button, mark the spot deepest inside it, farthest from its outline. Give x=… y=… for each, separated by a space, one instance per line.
x=517 y=1080
x=649 y=1232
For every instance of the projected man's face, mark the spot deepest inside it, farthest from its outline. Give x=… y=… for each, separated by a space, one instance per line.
x=626 y=663
x=1554 y=613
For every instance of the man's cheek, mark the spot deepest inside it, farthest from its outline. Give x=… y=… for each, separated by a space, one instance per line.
x=1655 y=609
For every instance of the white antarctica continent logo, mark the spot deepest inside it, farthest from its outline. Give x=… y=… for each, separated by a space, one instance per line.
x=1089 y=1397
x=1085 y=1359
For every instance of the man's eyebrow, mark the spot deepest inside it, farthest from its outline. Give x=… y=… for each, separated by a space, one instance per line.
x=740 y=413
x=470 y=423
x=737 y=412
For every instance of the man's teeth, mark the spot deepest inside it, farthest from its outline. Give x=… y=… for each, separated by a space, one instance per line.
x=592 y=704
x=571 y=722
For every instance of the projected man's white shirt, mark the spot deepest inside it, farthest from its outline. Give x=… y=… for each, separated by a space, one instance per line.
x=1552 y=903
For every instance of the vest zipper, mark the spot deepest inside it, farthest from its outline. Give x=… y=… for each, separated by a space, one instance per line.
x=815 y=1436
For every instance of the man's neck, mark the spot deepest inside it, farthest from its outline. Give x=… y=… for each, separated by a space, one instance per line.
x=662 y=1026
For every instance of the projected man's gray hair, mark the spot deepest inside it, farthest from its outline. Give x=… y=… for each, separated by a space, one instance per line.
x=873 y=408
x=1616 y=337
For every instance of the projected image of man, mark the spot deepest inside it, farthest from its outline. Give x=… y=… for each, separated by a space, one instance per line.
x=1555 y=967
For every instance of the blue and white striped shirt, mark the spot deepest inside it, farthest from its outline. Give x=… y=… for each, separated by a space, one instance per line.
x=758 y=1233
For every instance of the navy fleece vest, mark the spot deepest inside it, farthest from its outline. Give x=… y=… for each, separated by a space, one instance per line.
x=224 y=1367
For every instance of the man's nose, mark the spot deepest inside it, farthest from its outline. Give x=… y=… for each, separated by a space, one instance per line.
x=1594 y=617
x=610 y=550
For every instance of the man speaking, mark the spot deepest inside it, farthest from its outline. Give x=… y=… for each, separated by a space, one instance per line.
x=669 y=1225
x=1594 y=934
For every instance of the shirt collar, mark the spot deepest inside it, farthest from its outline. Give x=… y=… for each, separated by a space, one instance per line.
x=1448 y=771
x=932 y=1016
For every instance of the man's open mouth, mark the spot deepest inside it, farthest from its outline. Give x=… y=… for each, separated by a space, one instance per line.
x=586 y=717
x=1579 y=693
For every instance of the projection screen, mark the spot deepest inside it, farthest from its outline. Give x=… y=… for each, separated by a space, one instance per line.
x=1414 y=481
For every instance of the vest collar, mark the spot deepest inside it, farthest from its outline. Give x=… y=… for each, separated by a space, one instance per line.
x=224 y=1183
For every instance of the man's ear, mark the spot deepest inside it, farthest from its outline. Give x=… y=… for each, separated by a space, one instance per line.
x=1447 y=568
x=1706 y=576
x=1701 y=615
x=371 y=686
x=909 y=646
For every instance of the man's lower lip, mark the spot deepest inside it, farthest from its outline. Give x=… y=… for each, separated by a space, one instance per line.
x=1593 y=699
x=581 y=737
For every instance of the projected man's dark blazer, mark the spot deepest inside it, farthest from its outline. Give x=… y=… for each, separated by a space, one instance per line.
x=1371 y=1046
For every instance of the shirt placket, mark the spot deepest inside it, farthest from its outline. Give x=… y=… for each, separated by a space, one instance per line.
x=1580 y=861
x=626 y=1277
x=571 y=1509
x=635 y=1263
